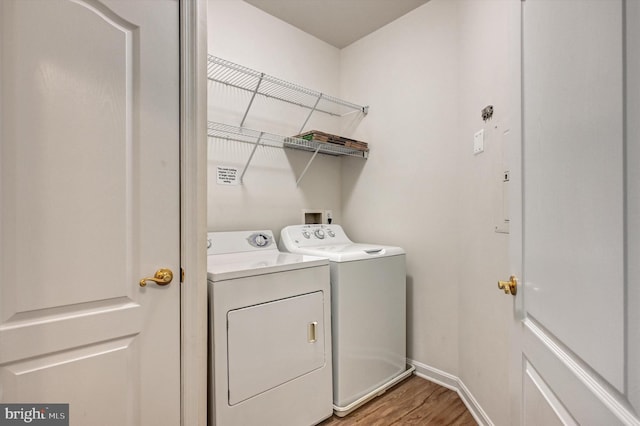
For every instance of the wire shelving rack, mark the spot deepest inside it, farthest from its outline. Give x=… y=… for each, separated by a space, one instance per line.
x=260 y=84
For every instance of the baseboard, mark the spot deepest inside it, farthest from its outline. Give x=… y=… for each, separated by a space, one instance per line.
x=452 y=382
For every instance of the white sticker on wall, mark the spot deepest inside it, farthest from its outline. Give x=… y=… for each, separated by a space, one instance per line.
x=227 y=175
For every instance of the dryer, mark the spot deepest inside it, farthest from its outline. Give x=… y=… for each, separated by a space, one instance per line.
x=269 y=331
x=368 y=297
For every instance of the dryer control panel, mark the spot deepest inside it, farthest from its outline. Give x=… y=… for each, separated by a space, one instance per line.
x=260 y=239
x=240 y=241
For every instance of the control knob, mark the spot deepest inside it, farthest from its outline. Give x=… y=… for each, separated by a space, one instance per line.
x=306 y=234
x=319 y=233
x=261 y=240
x=331 y=233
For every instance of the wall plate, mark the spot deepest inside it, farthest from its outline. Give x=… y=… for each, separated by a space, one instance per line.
x=478 y=142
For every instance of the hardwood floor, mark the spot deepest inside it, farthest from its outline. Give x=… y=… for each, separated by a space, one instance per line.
x=415 y=401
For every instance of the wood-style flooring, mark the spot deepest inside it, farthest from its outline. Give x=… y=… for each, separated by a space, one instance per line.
x=415 y=401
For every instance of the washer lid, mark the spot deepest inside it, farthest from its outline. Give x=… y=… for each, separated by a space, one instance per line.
x=229 y=266
x=349 y=252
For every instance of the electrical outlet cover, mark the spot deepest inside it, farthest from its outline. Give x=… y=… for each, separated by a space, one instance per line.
x=478 y=142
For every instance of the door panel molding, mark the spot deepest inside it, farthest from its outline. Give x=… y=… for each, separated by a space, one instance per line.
x=67 y=330
x=573 y=145
x=47 y=199
x=573 y=381
x=52 y=314
x=541 y=402
x=66 y=376
x=53 y=359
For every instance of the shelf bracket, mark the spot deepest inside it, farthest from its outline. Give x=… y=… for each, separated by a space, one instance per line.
x=253 y=96
x=246 y=166
x=308 y=164
x=311 y=112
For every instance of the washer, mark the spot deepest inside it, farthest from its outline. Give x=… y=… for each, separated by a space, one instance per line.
x=368 y=287
x=269 y=333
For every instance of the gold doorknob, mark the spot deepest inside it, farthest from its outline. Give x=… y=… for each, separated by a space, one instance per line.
x=509 y=287
x=162 y=277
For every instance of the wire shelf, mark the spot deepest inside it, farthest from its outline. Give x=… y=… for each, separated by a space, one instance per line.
x=255 y=137
x=249 y=80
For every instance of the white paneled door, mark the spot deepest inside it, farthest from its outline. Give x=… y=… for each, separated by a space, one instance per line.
x=89 y=190
x=577 y=334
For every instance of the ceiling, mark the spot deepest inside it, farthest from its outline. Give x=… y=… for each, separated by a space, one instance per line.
x=337 y=22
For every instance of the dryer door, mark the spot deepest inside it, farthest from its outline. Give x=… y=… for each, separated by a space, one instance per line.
x=272 y=343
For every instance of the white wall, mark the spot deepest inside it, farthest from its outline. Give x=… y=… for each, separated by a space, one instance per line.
x=485 y=313
x=407 y=193
x=269 y=198
x=426 y=77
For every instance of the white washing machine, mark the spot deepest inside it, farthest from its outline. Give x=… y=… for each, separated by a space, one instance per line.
x=368 y=297
x=269 y=333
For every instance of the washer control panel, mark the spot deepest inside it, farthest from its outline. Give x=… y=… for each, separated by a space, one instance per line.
x=315 y=235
